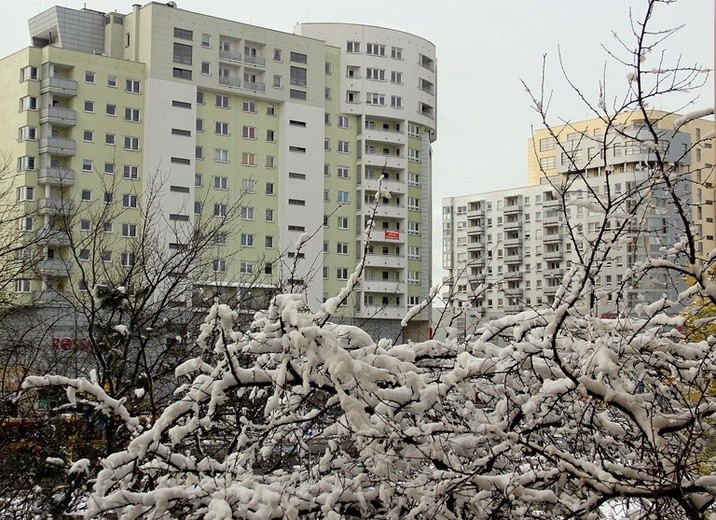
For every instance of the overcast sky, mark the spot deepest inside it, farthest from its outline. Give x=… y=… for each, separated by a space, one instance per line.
x=484 y=49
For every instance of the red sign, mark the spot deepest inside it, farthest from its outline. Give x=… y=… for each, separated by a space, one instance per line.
x=71 y=343
x=392 y=235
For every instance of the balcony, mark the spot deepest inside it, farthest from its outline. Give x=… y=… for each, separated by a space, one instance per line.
x=49 y=296
x=383 y=136
x=476 y=229
x=552 y=220
x=513 y=225
x=554 y=273
x=511 y=242
x=476 y=213
x=58 y=146
x=55 y=206
x=386 y=210
x=380 y=160
x=478 y=247
x=514 y=292
x=371 y=186
x=512 y=259
x=511 y=309
x=513 y=209
x=385 y=261
x=550 y=289
x=58 y=116
x=553 y=238
x=230 y=56
x=552 y=204
x=53 y=238
x=53 y=268
x=258 y=61
x=56 y=176
x=383 y=286
x=513 y=275
x=388 y=312
x=59 y=87
x=230 y=81
x=552 y=255
x=255 y=86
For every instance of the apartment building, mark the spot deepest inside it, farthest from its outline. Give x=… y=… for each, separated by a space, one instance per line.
x=180 y=117
x=592 y=146
x=509 y=250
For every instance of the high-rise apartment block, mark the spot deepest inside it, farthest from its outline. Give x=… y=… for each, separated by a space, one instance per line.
x=509 y=250
x=195 y=116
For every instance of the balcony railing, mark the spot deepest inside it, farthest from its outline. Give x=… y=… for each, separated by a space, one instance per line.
x=54 y=206
x=553 y=255
x=58 y=146
x=230 y=81
x=255 y=60
x=383 y=286
x=384 y=311
x=54 y=268
x=513 y=225
x=385 y=261
x=56 y=176
x=230 y=56
x=59 y=116
x=255 y=86
x=59 y=87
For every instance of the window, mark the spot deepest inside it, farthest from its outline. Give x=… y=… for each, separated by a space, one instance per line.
x=414 y=252
x=109 y=168
x=268 y=241
x=221 y=183
x=413 y=228
x=28 y=103
x=297 y=149
x=413 y=203
x=25 y=224
x=294 y=175
x=132 y=85
x=110 y=110
x=297 y=57
x=182 y=132
x=87 y=165
x=197 y=207
x=221 y=155
x=247 y=213
x=129 y=230
x=296 y=202
x=249 y=186
x=221 y=128
x=22 y=285
x=270 y=161
x=269 y=188
x=89 y=77
x=182 y=53
x=297 y=94
x=546 y=144
x=247 y=240
x=414 y=277
x=248 y=132
x=374 y=98
x=26 y=162
x=375 y=49
x=219 y=210
x=181 y=73
x=222 y=101
x=108 y=227
x=270 y=110
x=131 y=172
x=343 y=147
x=269 y=215
x=326 y=195
x=180 y=104
x=343 y=197
x=131 y=114
x=86 y=194
x=396 y=53
x=27 y=133
x=277 y=81
x=396 y=77
x=28 y=73
x=547 y=163
x=413 y=179
x=353 y=47
x=246 y=267
x=112 y=81
x=277 y=55
x=184 y=34
x=342 y=172
x=413 y=154
x=127 y=259
x=85 y=225
x=327 y=144
x=219 y=265
x=88 y=136
x=248 y=159
x=131 y=143
x=25 y=193
x=372 y=73
x=129 y=200
x=342 y=248
x=298 y=76
x=413 y=130
x=206 y=68
x=249 y=106
x=342 y=273
x=396 y=101
x=342 y=223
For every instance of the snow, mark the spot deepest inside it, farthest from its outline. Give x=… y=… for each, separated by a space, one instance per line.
x=692 y=116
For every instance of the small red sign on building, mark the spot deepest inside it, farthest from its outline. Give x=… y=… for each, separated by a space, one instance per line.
x=392 y=235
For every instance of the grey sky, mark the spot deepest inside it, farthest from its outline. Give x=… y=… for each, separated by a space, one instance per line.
x=484 y=49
